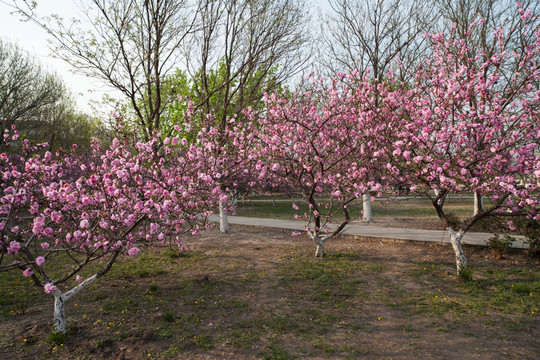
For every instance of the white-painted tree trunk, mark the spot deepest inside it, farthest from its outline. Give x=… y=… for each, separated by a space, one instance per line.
x=478 y=203
x=319 y=252
x=366 y=207
x=59 y=317
x=455 y=240
x=223 y=218
x=319 y=241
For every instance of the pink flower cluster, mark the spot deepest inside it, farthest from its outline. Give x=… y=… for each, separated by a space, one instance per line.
x=100 y=204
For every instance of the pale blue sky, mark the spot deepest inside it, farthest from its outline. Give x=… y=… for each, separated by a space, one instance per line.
x=35 y=40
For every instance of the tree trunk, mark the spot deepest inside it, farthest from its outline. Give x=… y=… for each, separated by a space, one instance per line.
x=223 y=218
x=59 y=317
x=319 y=252
x=478 y=202
x=461 y=260
x=366 y=206
x=441 y=200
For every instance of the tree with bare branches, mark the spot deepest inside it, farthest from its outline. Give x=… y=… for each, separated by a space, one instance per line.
x=129 y=45
x=26 y=89
x=369 y=35
x=242 y=50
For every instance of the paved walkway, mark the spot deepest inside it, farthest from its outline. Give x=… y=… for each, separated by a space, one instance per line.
x=365 y=230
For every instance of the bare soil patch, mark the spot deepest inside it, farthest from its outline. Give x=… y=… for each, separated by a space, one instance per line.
x=258 y=293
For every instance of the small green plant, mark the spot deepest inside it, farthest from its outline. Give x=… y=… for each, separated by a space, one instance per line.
x=153 y=289
x=99 y=296
x=203 y=342
x=531 y=230
x=168 y=317
x=144 y=273
x=466 y=274
x=56 y=338
x=522 y=288
x=500 y=244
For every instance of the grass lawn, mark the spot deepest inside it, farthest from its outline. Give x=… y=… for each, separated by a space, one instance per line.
x=381 y=207
x=259 y=294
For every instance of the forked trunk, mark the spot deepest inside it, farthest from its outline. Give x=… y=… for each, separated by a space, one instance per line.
x=366 y=206
x=319 y=252
x=59 y=316
x=461 y=260
x=223 y=218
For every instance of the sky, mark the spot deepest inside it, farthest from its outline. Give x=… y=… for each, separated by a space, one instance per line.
x=35 y=41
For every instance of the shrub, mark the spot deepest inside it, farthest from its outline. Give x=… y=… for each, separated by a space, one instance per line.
x=500 y=244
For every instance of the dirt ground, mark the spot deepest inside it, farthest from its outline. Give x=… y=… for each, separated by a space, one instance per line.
x=252 y=311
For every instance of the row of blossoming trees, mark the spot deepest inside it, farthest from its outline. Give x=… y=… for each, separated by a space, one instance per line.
x=468 y=122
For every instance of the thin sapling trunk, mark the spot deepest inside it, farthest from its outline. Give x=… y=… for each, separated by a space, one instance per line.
x=366 y=207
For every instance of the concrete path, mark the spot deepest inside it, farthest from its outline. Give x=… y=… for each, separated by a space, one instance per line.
x=363 y=230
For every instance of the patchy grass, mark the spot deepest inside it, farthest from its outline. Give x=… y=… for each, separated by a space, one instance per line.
x=258 y=294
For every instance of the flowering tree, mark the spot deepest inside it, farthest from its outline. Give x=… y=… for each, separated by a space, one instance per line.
x=232 y=162
x=228 y=148
x=59 y=214
x=470 y=123
x=228 y=154
x=313 y=143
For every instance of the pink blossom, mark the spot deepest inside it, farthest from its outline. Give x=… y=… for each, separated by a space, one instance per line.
x=39 y=222
x=129 y=220
x=14 y=247
x=56 y=216
x=133 y=251
x=49 y=288
x=45 y=245
x=40 y=260
x=47 y=231
x=78 y=278
x=28 y=272
x=84 y=224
